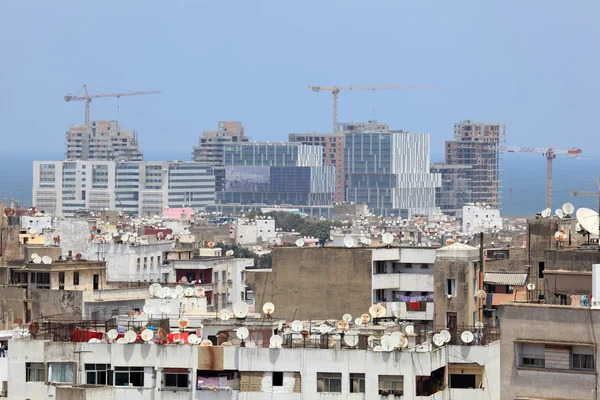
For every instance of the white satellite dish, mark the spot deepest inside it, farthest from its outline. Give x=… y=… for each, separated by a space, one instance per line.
x=349 y=241
x=324 y=329
x=242 y=333
x=387 y=343
x=481 y=294
x=250 y=345
x=588 y=219
x=154 y=290
x=199 y=291
x=164 y=308
x=112 y=334
x=396 y=338
x=297 y=326
x=174 y=294
x=125 y=237
x=148 y=309
x=240 y=309
x=410 y=329
x=206 y=343
x=147 y=335
x=380 y=311
x=378 y=349
x=130 y=336
x=224 y=314
x=108 y=237
x=268 y=308
x=546 y=212
x=32 y=231
x=387 y=238
x=351 y=338
x=438 y=340
x=300 y=242
x=276 y=341
x=94 y=340
x=37 y=259
x=179 y=290
x=347 y=317
x=34 y=255
x=467 y=336
x=365 y=318
x=166 y=293
x=229 y=253
x=446 y=335
x=188 y=292
x=193 y=338
x=121 y=340
x=531 y=286
x=559 y=213
x=568 y=208
x=358 y=321
x=47 y=260
x=479 y=325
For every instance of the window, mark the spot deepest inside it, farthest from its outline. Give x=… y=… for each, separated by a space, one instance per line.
x=216 y=277
x=329 y=382
x=357 y=383
x=223 y=276
x=129 y=376
x=145 y=262
x=138 y=262
x=277 y=378
x=408 y=265
x=98 y=374
x=34 y=372
x=175 y=378
x=450 y=287
x=158 y=260
x=61 y=372
x=391 y=384
x=424 y=266
x=532 y=355
x=152 y=261
x=75 y=278
x=583 y=361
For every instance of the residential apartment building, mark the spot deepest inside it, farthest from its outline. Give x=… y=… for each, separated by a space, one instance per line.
x=102 y=140
x=389 y=171
x=276 y=174
x=333 y=155
x=142 y=188
x=210 y=143
x=475 y=144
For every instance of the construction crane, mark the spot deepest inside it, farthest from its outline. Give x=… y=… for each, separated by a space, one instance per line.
x=335 y=90
x=88 y=98
x=586 y=193
x=549 y=154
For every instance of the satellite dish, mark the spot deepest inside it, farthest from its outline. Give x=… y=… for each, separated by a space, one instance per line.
x=162 y=334
x=240 y=309
x=358 y=321
x=32 y=231
x=179 y=290
x=37 y=259
x=379 y=310
x=559 y=213
x=224 y=314
x=396 y=338
x=199 y=291
x=250 y=345
x=164 y=308
x=387 y=343
x=188 y=292
x=588 y=219
x=174 y=294
x=297 y=326
x=112 y=334
x=481 y=294
x=229 y=253
x=479 y=325
x=546 y=213
x=193 y=338
x=378 y=349
x=449 y=241
x=349 y=241
x=147 y=335
x=148 y=309
x=121 y=340
x=560 y=236
x=365 y=318
x=531 y=286
x=347 y=317
x=34 y=328
x=130 y=336
x=183 y=323
x=300 y=242
x=410 y=329
x=467 y=336
x=343 y=326
x=47 y=260
x=446 y=335
x=351 y=338
x=568 y=209
x=438 y=340
x=268 y=308
x=94 y=340
x=108 y=237
x=166 y=292
x=242 y=333
x=324 y=329
x=387 y=238
x=276 y=341
x=206 y=343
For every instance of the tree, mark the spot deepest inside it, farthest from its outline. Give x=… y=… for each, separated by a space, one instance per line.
x=318 y=230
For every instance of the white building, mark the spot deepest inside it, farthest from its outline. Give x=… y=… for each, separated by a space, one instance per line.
x=58 y=370
x=478 y=218
x=250 y=232
x=143 y=188
x=36 y=225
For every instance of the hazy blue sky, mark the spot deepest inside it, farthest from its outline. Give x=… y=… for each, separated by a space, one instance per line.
x=531 y=64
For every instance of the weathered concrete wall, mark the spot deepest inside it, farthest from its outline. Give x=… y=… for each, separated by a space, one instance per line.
x=87 y=392
x=464 y=303
x=55 y=302
x=317 y=283
x=545 y=323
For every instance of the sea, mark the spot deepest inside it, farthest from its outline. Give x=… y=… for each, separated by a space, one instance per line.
x=523 y=179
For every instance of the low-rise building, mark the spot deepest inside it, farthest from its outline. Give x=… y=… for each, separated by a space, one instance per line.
x=480 y=218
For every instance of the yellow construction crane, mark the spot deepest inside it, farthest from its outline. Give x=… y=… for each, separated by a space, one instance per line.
x=335 y=90
x=88 y=98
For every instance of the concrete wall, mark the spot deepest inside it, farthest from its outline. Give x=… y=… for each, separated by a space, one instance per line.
x=317 y=283
x=464 y=304
x=546 y=323
x=12 y=300
x=55 y=302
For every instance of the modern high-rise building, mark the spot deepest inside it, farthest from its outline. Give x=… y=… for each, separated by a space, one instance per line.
x=276 y=174
x=142 y=188
x=389 y=170
x=333 y=155
x=102 y=140
x=210 y=144
x=471 y=171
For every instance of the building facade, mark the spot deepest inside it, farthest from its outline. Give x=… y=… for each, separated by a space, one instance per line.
x=210 y=143
x=142 y=188
x=102 y=140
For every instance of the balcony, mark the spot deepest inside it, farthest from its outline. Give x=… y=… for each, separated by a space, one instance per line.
x=499 y=298
x=405 y=282
x=467 y=394
x=405 y=312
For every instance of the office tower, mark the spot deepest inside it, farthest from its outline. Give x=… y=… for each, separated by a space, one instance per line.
x=210 y=144
x=389 y=170
x=141 y=188
x=102 y=140
x=276 y=174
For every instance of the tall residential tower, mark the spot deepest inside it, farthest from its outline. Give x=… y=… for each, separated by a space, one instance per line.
x=102 y=141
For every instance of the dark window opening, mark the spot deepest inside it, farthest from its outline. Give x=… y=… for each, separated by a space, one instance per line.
x=75 y=278
x=277 y=378
x=459 y=381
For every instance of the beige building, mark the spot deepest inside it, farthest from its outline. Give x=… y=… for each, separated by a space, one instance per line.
x=102 y=140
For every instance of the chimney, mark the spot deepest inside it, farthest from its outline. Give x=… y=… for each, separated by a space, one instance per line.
x=595 y=286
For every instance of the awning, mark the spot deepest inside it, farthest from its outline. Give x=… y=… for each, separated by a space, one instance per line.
x=505 y=278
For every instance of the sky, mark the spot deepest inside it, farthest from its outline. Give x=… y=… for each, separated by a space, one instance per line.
x=532 y=65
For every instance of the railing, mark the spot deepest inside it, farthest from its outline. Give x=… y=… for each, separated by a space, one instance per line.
x=481 y=336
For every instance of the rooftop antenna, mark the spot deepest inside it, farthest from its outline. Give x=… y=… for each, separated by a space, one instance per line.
x=347 y=318
x=275 y=342
x=559 y=213
x=268 y=308
x=297 y=326
x=225 y=314
x=467 y=337
x=387 y=238
x=37 y=259
x=112 y=335
x=351 y=338
x=446 y=335
x=438 y=340
x=568 y=209
x=588 y=219
x=349 y=241
x=240 y=309
x=242 y=333
x=147 y=335
x=188 y=292
x=206 y=343
x=47 y=260
x=193 y=338
x=560 y=236
x=162 y=334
